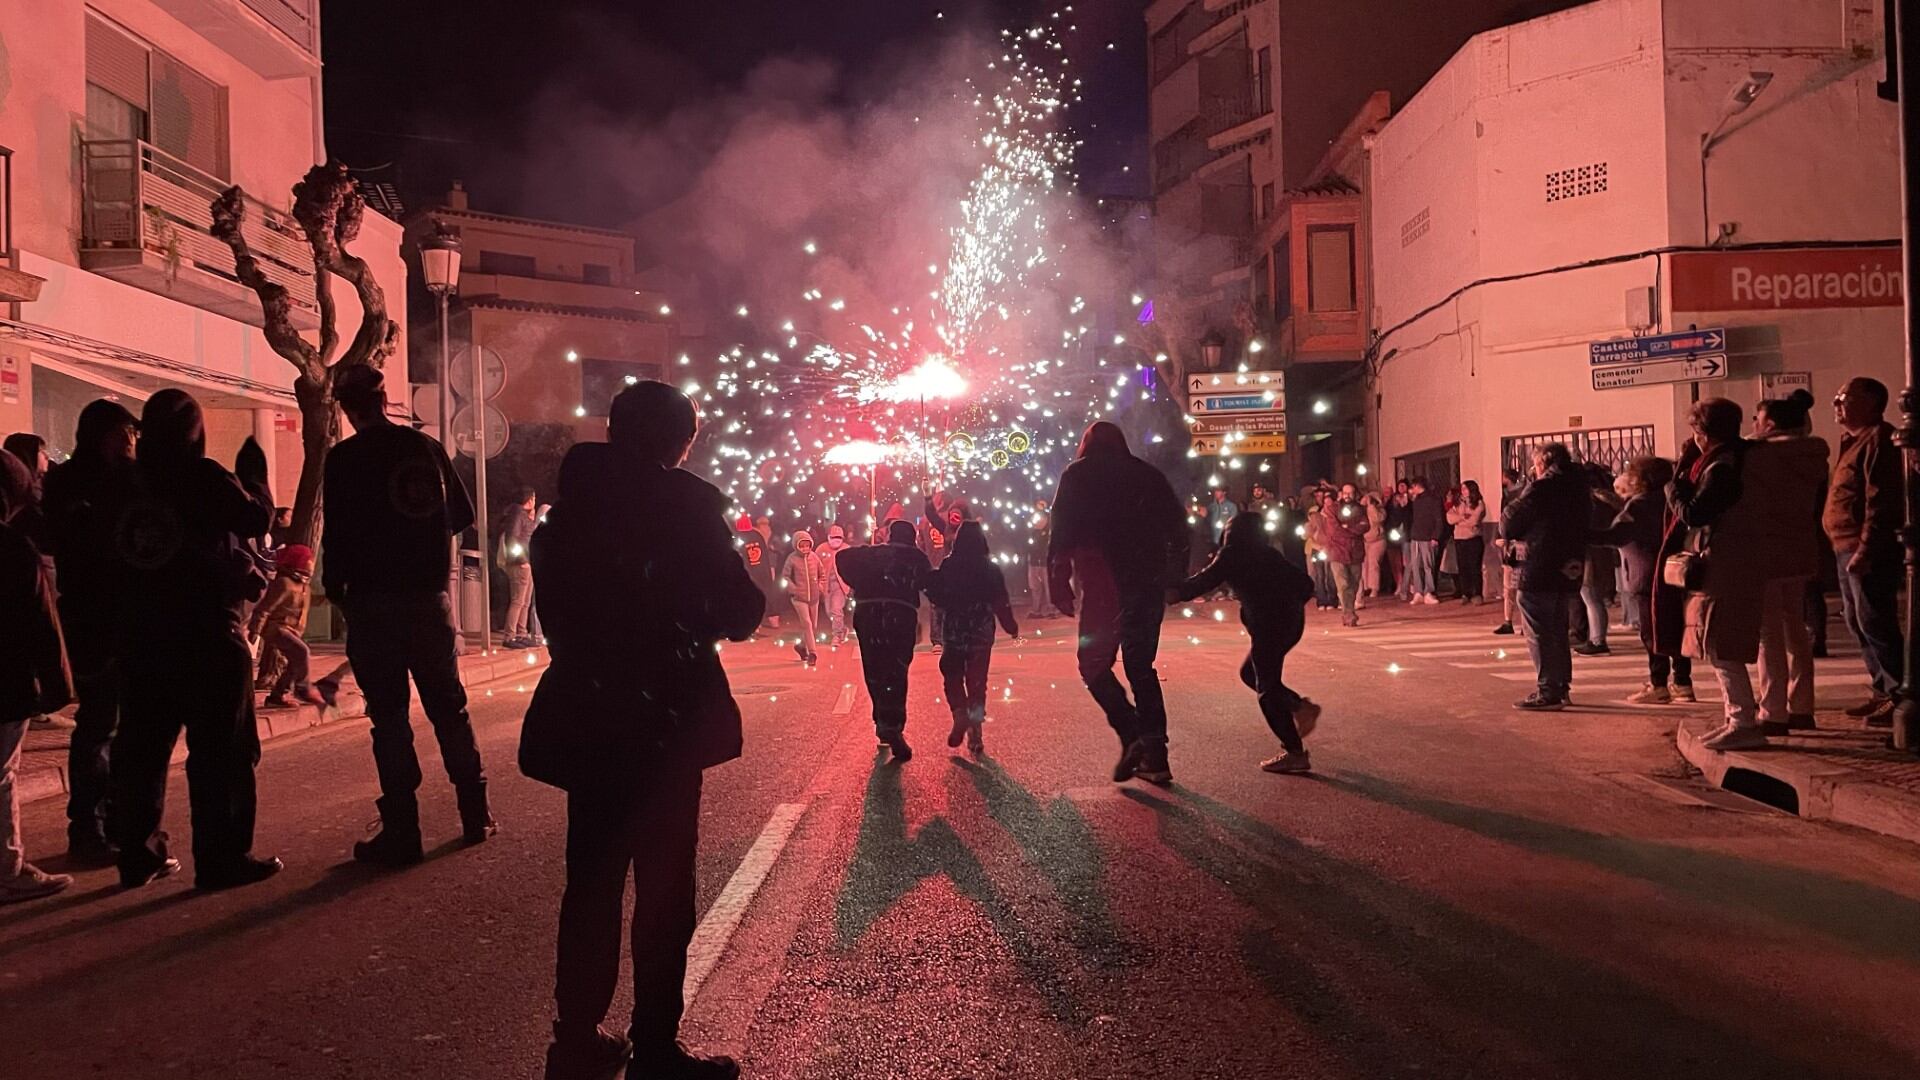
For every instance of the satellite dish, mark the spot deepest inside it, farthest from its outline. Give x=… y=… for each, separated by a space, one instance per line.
x=493 y=374
x=496 y=433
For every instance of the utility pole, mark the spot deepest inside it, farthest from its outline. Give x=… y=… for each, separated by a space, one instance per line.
x=1906 y=64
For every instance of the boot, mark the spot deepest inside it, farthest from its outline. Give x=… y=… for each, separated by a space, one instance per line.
x=1129 y=763
x=679 y=1063
x=1153 y=767
x=397 y=843
x=476 y=821
x=593 y=1055
x=961 y=724
x=244 y=870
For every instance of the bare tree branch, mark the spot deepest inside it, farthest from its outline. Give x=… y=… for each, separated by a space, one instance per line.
x=229 y=214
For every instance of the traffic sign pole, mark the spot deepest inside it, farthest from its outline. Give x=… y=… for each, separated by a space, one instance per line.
x=1906 y=716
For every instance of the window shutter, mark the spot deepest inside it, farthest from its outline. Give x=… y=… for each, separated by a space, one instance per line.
x=189 y=116
x=117 y=63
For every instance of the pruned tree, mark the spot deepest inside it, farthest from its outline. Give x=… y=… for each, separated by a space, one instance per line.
x=328 y=209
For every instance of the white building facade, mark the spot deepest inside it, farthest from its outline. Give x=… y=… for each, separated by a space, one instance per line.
x=120 y=121
x=1549 y=189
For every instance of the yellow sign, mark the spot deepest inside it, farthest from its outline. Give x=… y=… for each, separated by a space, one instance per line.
x=1218 y=445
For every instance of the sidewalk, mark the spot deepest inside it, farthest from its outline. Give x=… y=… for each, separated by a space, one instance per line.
x=1838 y=773
x=43 y=763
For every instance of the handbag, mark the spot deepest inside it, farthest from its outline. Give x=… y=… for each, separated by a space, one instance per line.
x=1687 y=568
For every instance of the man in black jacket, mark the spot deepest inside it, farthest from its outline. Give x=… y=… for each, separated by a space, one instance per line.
x=639 y=580
x=1550 y=523
x=1119 y=528
x=392 y=502
x=886 y=580
x=1426 y=528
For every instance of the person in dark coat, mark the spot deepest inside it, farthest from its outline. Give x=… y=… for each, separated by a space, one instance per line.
x=1119 y=528
x=1273 y=596
x=757 y=554
x=639 y=580
x=944 y=517
x=78 y=493
x=1426 y=530
x=1637 y=530
x=1549 y=522
x=886 y=580
x=181 y=540
x=393 y=503
x=33 y=676
x=970 y=591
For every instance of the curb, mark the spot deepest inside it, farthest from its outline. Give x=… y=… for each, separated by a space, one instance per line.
x=50 y=782
x=1824 y=792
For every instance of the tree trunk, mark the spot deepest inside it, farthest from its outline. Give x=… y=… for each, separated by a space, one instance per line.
x=319 y=428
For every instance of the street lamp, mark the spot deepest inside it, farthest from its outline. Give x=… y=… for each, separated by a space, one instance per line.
x=1212 y=348
x=1739 y=101
x=440 y=266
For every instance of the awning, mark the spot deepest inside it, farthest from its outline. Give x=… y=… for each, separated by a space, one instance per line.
x=122 y=369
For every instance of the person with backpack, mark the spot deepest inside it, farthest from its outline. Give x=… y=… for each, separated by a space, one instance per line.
x=1273 y=596
x=971 y=593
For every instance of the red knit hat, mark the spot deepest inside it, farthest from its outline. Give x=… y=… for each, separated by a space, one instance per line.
x=294 y=557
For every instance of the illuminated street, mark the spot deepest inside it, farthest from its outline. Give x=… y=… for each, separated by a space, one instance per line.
x=1459 y=890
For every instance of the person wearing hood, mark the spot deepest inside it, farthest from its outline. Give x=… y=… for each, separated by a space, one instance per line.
x=805 y=575
x=78 y=493
x=393 y=501
x=886 y=580
x=944 y=517
x=1273 y=596
x=971 y=592
x=33 y=676
x=1120 y=530
x=836 y=585
x=757 y=553
x=1791 y=466
x=639 y=582
x=1547 y=527
x=182 y=542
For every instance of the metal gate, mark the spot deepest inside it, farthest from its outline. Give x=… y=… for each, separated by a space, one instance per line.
x=1612 y=447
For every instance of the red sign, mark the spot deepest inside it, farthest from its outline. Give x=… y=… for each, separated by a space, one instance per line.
x=1776 y=279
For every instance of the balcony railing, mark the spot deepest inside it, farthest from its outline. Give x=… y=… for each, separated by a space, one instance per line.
x=293 y=18
x=146 y=219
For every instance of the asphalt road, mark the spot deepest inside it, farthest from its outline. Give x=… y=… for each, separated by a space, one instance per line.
x=1459 y=891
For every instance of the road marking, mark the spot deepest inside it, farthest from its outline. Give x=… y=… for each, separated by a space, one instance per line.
x=723 y=918
x=844 y=703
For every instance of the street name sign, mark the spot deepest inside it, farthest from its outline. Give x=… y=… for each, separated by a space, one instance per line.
x=1657 y=346
x=1228 y=382
x=1251 y=423
x=1654 y=372
x=1256 y=401
x=1215 y=445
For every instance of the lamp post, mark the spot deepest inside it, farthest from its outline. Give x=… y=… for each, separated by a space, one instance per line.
x=1739 y=101
x=1906 y=716
x=440 y=266
x=1212 y=348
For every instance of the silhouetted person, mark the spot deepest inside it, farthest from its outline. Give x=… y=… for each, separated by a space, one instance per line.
x=186 y=579
x=1119 y=529
x=970 y=592
x=392 y=502
x=639 y=579
x=33 y=676
x=79 y=495
x=886 y=580
x=1273 y=595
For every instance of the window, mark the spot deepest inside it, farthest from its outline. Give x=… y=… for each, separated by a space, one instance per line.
x=1283 y=279
x=1330 y=268
x=1263 y=82
x=595 y=274
x=1574 y=183
x=1266 y=202
x=1262 y=281
x=137 y=92
x=602 y=380
x=507 y=265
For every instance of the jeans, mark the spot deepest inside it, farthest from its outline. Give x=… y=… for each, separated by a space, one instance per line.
x=1870 y=605
x=1325 y=593
x=1471 y=556
x=806 y=614
x=1124 y=625
x=519 y=599
x=1546 y=614
x=1420 y=565
x=1040 y=603
x=1263 y=671
x=13 y=856
x=964 y=673
x=654 y=831
x=392 y=636
x=837 y=612
x=1406 y=570
x=1346 y=582
x=1738 y=690
x=283 y=640
x=1660 y=668
x=1594 y=598
x=1786 y=652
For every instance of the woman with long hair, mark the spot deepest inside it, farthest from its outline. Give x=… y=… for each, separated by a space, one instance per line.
x=1467 y=514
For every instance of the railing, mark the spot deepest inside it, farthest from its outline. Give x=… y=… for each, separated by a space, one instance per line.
x=1612 y=447
x=293 y=18
x=137 y=197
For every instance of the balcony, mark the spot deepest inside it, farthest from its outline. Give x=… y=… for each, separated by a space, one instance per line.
x=276 y=38
x=146 y=218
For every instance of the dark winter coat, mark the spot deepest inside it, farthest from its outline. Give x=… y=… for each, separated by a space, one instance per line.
x=1636 y=530
x=970 y=590
x=1723 y=502
x=1793 y=469
x=884 y=574
x=1550 y=520
x=33 y=666
x=1343 y=534
x=1117 y=523
x=1271 y=589
x=638 y=581
x=79 y=495
x=1427 y=517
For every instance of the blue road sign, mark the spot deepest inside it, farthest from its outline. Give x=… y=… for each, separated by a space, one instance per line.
x=1213 y=403
x=1657 y=346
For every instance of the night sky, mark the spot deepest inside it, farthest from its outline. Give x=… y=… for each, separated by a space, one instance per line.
x=445 y=88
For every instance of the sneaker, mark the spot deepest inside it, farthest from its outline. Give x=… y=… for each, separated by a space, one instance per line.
x=596 y=1056
x=476 y=819
x=31 y=883
x=813 y=659
x=1650 y=695
x=1593 y=649
x=1869 y=707
x=276 y=701
x=679 y=1063
x=897 y=743
x=1733 y=737
x=1800 y=722
x=1882 y=716
x=1684 y=694
x=145 y=868
x=975 y=744
x=1153 y=767
x=1285 y=762
x=391 y=847
x=1306 y=717
x=245 y=870
x=959 y=732
x=1431 y=599
x=1129 y=763
x=800 y=650
x=1539 y=702
x=1505 y=628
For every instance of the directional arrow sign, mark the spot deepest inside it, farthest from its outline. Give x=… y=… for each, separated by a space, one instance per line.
x=1226 y=403
x=1252 y=423
x=1215 y=445
x=1657 y=346
x=1653 y=372
x=1229 y=382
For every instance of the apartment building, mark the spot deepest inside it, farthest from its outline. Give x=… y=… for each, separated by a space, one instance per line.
x=120 y=120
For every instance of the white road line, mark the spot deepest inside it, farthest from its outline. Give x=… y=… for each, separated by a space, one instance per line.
x=844 y=703
x=723 y=918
